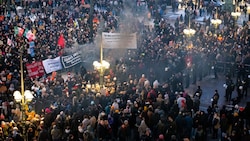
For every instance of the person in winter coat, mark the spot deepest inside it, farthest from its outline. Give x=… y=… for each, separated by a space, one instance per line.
x=215 y=125
x=124 y=132
x=215 y=98
x=16 y=135
x=43 y=135
x=142 y=128
x=103 y=129
x=56 y=133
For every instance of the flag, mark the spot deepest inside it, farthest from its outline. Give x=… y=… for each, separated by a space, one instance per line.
x=83 y=2
x=61 y=41
x=31 y=49
x=9 y=42
x=1 y=18
x=29 y=35
x=18 y=31
x=53 y=76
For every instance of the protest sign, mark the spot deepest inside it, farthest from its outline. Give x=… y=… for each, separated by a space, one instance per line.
x=71 y=60
x=119 y=40
x=51 y=65
x=35 y=69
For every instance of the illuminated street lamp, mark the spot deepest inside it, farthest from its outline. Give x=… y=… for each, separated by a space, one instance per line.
x=216 y=22
x=235 y=14
x=101 y=66
x=28 y=96
x=188 y=31
x=23 y=97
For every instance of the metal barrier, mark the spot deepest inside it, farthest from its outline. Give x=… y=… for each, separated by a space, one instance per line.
x=230 y=67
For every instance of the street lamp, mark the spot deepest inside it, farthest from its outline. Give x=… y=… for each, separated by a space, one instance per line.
x=101 y=66
x=216 y=21
x=28 y=96
x=235 y=14
x=189 y=31
x=22 y=97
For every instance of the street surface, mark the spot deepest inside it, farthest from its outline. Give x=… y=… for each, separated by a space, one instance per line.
x=208 y=85
x=171 y=16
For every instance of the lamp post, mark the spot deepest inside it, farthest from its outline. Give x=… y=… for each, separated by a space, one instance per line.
x=22 y=97
x=189 y=31
x=216 y=22
x=236 y=14
x=101 y=66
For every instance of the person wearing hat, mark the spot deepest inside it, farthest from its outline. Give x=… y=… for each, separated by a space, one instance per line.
x=56 y=133
x=16 y=135
x=216 y=125
x=103 y=128
x=215 y=98
x=198 y=92
x=124 y=131
x=161 y=137
x=229 y=86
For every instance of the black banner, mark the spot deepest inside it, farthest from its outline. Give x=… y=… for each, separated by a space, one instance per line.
x=71 y=60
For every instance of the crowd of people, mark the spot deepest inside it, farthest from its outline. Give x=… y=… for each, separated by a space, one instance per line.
x=144 y=97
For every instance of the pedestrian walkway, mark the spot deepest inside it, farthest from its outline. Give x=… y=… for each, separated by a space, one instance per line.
x=171 y=16
x=208 y=85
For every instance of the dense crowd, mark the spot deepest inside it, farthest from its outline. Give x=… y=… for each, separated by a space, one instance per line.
x=144 y=97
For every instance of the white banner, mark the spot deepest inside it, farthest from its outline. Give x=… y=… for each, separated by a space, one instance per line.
x=51 y=65
x=119 y=40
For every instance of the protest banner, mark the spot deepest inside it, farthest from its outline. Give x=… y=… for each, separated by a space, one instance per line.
x=119 y=40
x=35 y=69
x=51 y=65
x=71 y=60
